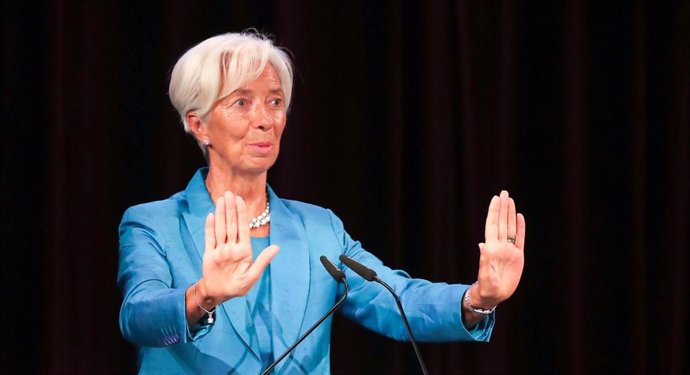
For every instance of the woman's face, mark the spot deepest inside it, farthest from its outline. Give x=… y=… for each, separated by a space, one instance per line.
x=245 y=127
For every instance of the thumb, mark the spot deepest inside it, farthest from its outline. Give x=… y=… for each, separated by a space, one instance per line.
x=483 y=262
x=262 y=261
x=482 y=253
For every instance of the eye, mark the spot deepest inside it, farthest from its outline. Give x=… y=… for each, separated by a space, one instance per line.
x=277 y=102
x=240 y=102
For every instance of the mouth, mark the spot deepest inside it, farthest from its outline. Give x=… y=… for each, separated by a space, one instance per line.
x=261 y=147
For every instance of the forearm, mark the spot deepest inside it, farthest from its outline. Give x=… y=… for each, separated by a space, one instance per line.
x=198 y=303
x=431 y=308
x=152 y=316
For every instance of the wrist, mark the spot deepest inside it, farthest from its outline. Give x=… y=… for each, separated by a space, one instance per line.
x=473 y=302
x=203 y=298
x=477 y=300
x=203 y=302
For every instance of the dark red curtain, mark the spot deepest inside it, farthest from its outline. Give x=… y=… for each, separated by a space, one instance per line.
x=407 y=117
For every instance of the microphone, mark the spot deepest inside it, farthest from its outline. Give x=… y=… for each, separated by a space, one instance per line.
x=370 y=275
x=335 y=272
x=339 y=276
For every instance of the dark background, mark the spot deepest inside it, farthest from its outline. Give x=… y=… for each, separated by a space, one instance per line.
x=406 y=118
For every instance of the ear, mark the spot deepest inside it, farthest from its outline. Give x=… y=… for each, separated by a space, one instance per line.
x=197 y=126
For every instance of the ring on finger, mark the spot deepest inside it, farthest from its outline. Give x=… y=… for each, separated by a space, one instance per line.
x=511 y=240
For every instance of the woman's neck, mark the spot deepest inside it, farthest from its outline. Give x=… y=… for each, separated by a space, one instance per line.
x=251 y=187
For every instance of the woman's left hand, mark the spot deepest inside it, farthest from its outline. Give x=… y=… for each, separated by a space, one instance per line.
x=502 y=256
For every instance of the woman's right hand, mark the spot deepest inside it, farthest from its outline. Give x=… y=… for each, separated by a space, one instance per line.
x=228 y=269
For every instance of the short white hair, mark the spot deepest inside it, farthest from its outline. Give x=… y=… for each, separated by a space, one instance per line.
x=219 y=65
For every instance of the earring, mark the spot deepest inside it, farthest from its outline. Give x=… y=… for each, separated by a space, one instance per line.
x=205 y=142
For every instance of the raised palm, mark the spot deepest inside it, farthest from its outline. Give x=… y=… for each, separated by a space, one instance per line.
x=502 y=256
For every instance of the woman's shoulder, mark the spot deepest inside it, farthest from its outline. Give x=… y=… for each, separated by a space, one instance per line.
x=312 y=214
x=304 y=208
x=160 y=208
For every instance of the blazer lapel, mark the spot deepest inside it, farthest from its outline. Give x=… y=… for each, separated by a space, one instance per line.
x=199 y=206
x=290 y=275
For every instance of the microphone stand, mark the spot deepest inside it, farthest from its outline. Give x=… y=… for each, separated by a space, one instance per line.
x=310 y=330
x=407 y=324
x=370 y=275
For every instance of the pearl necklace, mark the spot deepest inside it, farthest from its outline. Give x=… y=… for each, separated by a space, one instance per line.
x=263 y=218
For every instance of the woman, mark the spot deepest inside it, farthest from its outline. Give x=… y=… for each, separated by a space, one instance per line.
x=206 y=287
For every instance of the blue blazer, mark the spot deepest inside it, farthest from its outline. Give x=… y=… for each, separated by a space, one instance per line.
x=161 y=247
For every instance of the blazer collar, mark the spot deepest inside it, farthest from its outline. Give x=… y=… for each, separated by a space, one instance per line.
x=290 y=269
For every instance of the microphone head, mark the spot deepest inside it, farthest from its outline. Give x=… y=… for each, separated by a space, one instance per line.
x=334 y=271
x=367 y=273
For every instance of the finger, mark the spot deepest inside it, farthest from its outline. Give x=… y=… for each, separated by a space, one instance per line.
x=231 y=217
x=503 y=217
x=243 y=220
x=220 y=221
x=209 y=234
x=491 y=228
x=512 y=226
x=521 y=232
x=262 y=261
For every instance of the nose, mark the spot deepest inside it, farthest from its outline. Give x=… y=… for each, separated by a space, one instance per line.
x=263 y=117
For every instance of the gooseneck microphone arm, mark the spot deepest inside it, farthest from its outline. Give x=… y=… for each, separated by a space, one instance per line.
x=339 y=276
x=370 y=275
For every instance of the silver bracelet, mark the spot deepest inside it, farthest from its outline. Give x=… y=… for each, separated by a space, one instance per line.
x=210 y=319
x=468 y=303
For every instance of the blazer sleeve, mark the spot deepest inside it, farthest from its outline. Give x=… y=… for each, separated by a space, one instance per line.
x=433 y=309
x=152 y=312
